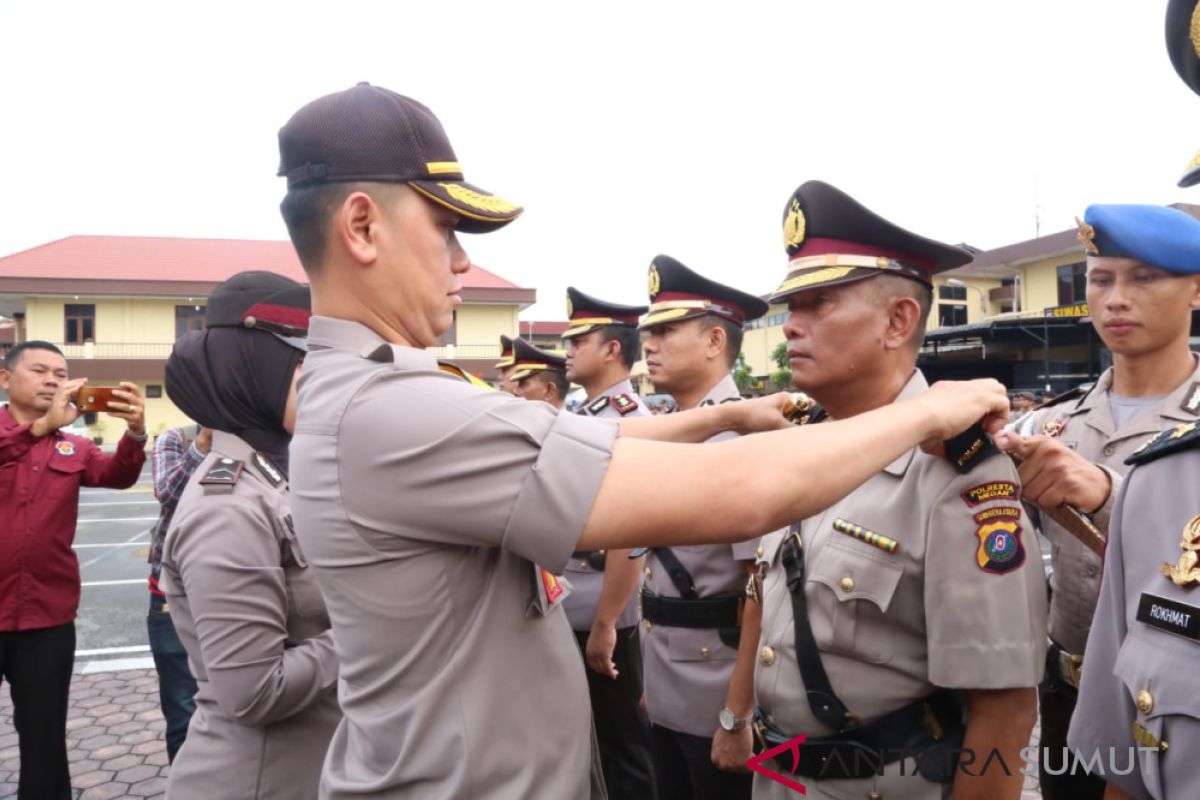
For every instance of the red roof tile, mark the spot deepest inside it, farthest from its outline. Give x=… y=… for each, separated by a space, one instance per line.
x=137 y=258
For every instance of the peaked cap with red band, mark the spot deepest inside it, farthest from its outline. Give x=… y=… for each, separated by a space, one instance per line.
x=506 y=352
x=677 y=293
x=831 y=239
x=587 y=314
x=262 y=301
x=529 y=359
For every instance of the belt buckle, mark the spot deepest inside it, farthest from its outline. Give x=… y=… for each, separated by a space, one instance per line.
x=1070 y=667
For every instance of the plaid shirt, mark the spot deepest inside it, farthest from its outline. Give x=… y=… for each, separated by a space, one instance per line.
x=172 y=463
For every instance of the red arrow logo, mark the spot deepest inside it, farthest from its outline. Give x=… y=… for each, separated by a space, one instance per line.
x=792 y=746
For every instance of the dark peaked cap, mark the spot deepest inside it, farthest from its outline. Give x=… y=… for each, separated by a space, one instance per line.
x=831 y=238
x=531 y=359
x=1183 y=46
x=587 y=314
x=678 y=293
x=506 y=352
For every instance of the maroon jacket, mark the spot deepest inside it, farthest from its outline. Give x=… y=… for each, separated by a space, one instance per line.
x=39 y=506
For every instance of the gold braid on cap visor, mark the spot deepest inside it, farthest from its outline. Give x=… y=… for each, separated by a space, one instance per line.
x=585 y=324
x=668 y=310
x=839 y=266
x=525 y=370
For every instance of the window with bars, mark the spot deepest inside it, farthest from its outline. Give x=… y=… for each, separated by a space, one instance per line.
x=1072 y=283
x=950 y=314
x=79 y=323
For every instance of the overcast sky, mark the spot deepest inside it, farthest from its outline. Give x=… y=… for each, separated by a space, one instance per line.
x=625 y=129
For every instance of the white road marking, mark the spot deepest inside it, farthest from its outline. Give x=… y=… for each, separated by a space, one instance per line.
x=112 y=651
x=117 y=665
x=127 y=582
x=120 y=503
x=121 y=519
x=131 y=540
x=109 y=544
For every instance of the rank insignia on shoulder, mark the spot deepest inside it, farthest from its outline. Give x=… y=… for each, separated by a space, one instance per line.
x=223 y=472
x=268 y=470
x=598 y=405
x=996 y=490
x=459 y=372
x=1000 y=548
x=1181 y=437
x=966 y=450
x=1191 y=401
x=624 y=403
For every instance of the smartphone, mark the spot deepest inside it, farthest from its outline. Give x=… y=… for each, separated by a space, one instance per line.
x=95 y=398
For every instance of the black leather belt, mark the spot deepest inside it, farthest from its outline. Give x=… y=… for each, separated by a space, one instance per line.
x=595 y=559
x=930 y=731
x=697 y=612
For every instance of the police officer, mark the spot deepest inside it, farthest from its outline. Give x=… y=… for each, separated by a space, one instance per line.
x=602 y=345
x=1074 y=449
x=1137 y=702
x=909 y=616
x=246 y=607
x=692 y=597
x=539 y=374
x=435 y=513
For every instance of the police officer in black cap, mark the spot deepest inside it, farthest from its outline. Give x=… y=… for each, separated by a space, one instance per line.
x=244 y=602
x=539 y=374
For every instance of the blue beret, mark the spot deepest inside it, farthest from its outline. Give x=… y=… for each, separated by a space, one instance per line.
x=1160 y=236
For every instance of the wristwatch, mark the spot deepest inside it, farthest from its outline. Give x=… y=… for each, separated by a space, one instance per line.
x=730 y=722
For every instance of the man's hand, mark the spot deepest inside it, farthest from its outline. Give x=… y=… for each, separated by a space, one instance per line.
x=130 y=407
x=732 y=749
x=759 y=414
x=599 y=651
x=1053 y=474
x=203 y=440
x=950 y=407
x=62 y=411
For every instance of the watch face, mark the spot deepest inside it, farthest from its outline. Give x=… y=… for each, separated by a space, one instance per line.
x=726 y=719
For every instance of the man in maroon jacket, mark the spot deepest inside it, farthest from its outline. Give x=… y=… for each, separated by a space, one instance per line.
x=41 y=470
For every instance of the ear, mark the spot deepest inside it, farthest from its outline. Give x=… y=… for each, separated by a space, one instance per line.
x=904 y=314
x=356 y=226
x=5 y=377
x=611 y=351
x=714 y=342
x=1195 y=301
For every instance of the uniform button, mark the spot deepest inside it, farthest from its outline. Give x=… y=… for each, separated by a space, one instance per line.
x=704 y=652
x=759 y=551
x=767 y=656
x=649 y=574
x=1109 y=450
x=1145 y=702
x=847 y=584
x=1090 y=570
x=874 y=796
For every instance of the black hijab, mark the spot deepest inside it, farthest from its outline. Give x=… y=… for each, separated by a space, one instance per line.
x=235 y=380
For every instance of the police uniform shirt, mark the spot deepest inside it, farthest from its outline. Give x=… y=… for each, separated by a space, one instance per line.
x=687 y=670
x=423 y=504
x=960 y=604
x=240 y=594
x=1086 y=426
x=586 y=583
x=1140 y=684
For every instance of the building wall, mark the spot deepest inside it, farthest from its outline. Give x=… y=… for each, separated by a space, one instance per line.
x=1039 y=281
x=483 y=324
x=123 y=320
x=977 y=304
x=758 y=342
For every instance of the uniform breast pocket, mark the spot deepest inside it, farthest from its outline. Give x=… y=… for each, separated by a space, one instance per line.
x=698 y=644
x=848 y=605
x=1162 y=684
x=63 y=476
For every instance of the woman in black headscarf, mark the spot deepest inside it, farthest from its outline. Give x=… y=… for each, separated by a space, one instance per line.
x=245 y=604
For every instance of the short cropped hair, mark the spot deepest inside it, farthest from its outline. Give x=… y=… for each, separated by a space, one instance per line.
x=628 y=337
x=887 y=287
x=13 y=356
x=307 y=211
x=733 y=335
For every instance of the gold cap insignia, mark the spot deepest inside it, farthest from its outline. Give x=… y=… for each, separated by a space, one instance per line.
x=1087 y=237
x=655 y=285
x=1194 y=30
x=570 y=307
x=1184 y=572
x=793 y=225
x=483 y=202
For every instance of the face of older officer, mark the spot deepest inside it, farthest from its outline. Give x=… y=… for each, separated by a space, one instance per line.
x=538 y=387
x=842 y=339
x=1138 y=309
x=32 y=377
x=393 y=262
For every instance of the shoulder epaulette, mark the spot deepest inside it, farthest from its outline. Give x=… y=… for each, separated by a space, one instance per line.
x=598 y=405
x=1191 y=401
x=1070 y=394
x=224 y=473
x=969 y=449
x=624 y=403
x=459 y=372
x=1181 y=437
x=268 y=469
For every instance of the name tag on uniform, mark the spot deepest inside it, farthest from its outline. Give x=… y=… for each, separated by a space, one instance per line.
x=1170 y=616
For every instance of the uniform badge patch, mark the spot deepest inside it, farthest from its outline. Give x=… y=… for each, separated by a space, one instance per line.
x=997 y=490
x=1000 y=512
x=1000 y=549
x=65 y=448
x=598 y=405
x=1184 y=573
x=624 y=403
x=225 y=472
x=268 y=470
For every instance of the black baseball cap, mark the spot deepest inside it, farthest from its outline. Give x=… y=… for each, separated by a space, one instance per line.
x=368 y=133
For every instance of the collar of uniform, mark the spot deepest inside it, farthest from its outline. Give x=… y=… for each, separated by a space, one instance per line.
x=340 y=334
x=916 y=384
x=722 y=391
x=1100 y=418
x=1172 y=405
x=231 y=446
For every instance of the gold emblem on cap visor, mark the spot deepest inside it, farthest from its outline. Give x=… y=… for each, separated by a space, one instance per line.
x=483 y=202
x=1087 y=237
x=570 y=307
x=655 y=285
x=793 y=225
x=1194 y=30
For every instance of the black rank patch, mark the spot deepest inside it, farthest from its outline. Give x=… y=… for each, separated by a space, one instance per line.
x=624 y=403
x=223 y=472
x=598 y=405
x=1171 y=616
x=966 y=450
x=268 y=470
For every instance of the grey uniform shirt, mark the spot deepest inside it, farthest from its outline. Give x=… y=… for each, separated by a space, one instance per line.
x=1086 y=426
x=960 y=604
x=1137 y=672
x=423 y=502
x=687 y=670
x=586 y=582
x=250 y=615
